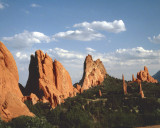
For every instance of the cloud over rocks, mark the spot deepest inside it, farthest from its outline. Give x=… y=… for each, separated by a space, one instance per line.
x=126 y=61
x=116 y=26
x=65 y=54
x=26 y=39
x=155 y=39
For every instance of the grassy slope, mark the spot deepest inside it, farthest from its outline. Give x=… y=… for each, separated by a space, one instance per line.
x=89 y=110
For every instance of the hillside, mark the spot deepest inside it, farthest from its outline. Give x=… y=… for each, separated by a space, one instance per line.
x=90 y=110
x=157 y=76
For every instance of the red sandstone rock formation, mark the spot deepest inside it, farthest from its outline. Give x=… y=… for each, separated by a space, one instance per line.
x=133 y=78
x=141 y=91
x=78 y=87
x=94 y=73
x=48 y=79
x=11 y=104
x=100 y=93
x=144 y=76
x=32 y=98
x=124 y=85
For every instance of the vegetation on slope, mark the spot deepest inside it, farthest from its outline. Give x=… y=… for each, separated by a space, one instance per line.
x=88 y=110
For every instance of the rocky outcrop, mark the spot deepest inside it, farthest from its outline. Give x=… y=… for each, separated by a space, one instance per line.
x=144 y=76
x=48 y=80
x=124 y=85
x=11 y=105
x=94 y=73
x=33 y=98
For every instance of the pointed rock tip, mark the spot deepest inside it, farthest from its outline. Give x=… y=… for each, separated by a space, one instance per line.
x=89 y=57
x=145 y=68
x=2 y=44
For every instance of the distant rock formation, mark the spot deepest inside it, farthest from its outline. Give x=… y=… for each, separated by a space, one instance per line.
x=124 y=85
x=157 y=76
x=94 y=73
x=48 y=80
x=11 y=105
x=144 y=76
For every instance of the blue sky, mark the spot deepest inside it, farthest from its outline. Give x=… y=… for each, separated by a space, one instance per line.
x=124 y=34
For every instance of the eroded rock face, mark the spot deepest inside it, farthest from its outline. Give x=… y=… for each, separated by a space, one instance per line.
x=144 y=76
x=52 y=82
x=11 y=104
x=94 y=73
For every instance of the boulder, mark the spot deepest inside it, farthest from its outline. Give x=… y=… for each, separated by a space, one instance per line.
x=48 y=80
x=11 y=105
x=94 y=73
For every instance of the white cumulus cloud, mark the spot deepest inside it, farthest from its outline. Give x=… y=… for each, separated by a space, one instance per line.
x=116 y=26
x=81 y=35
x=65 y=54
x=21 y=56
x=155 y=39
x=86 y=31
x=90 y=49
x=26 y=39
